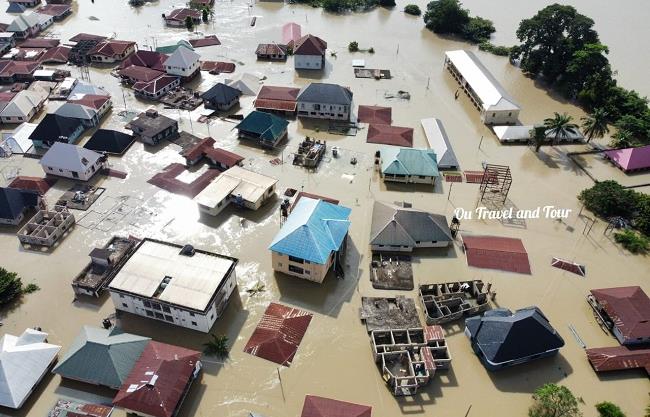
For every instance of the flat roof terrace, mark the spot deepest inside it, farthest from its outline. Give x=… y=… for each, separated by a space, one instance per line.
x=160 y=270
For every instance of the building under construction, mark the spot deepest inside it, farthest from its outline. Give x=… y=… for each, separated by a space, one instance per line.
x=453 y=300
x=310 y=152
x=495 y=185
x=46 y=227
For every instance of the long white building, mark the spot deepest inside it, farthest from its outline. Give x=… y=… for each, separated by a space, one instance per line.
x=178 y=284
x=497 y=107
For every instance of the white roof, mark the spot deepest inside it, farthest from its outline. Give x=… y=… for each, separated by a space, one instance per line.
x=23 y=22
x=247 y=83
x=182 y=57
x=519 y=133
x=439 y=142
x=194 y=279
x=486 y=87
x=359 y=63
x=76 y=111
x=23 y=362
x=69 y=157
x=44 y=73
x=235 y=181
x=19 y=140
x=23 y=103
x=44 y=18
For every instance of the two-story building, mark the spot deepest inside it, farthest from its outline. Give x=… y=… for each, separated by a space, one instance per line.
x=177 y=284
x=151 y=128
x=325 y=101
x=110 y=51
x=309 y=53
x=184 y=63
x=72 y=161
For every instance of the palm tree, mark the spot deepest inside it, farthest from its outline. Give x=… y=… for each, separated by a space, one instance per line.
x=217 y=346
x=206 y=14
x=595 y=125
x=621 y=139
x=189 y=23
x=560 y=126
x=538 y=137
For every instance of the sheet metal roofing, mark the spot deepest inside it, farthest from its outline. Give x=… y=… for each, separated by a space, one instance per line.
x=390 y=135
x=407 y=161
x=102 y=357
x=235 y=181
x=221 y=93
x=375 y=114
x=278 y=334
x=398 y=226
x=618 y=358
x=315 y=406
x=493 y=252
x=628 y=307
x=24 y=360
x=109 y=141
x=156 y=384
x=630 y=159
x=439 y=142
x=325 y=93
x=69 y=157
x=312 y=231
x=520 y=133
x=268 y=126
x=40 y=185
x=158 y=270
x=486 y=87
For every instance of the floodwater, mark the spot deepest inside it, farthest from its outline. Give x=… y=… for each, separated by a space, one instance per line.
x=334 y=359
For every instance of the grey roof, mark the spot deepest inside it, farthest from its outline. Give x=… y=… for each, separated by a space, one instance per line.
x=69 y=157
x=439 y=142
x=398 y=226
x=326 y=93
x=503 y=336
x=102 y=357
x=221 y=93
x=13 y=202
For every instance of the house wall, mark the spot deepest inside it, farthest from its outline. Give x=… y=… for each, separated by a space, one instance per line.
x=159 y=93
x=82 y=176
x=183 y=71
x=500 y=117
x=19 y=119
x=177 y=315
x=622 y=340
x=392 y=248
x=311 y=271
x=221 y=107
x=46 y=24
x=313 y=62
x=169 y=132
x=13 y=222
x=323 y=110
x=47 y=142
x=114 y=58
x=410 y=179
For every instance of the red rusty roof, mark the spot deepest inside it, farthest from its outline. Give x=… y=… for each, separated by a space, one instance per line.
x=568 y=266
x=39 y=43
x=493 y=252
x=217 y=66
x=618 y=358
x=155 y=85
x=271 y=92
x=54 y=9
x=94 y=101
x=375 y=114
x=209 y=40
x=310 y=45
x=156 y=384
x=139 y=73
x=223 y=156
x=315 y=406
x=59 y=54
x=271 y=49
x=434 y=332
x=278 y=334
x=167 y=180
x=40 y=185
x=181 y=14
x=86 y=36
x=390 y=135
x=147 y=59
x=111 y=47
x=196 y=150
x=628 y=307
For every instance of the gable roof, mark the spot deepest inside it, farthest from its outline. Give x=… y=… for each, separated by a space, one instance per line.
x=146 y=59
x=268 y=126
x=102 y=357
x=23 y=22
x=398 y=226
x=315 y=406
x=11 y=68
x=111 y=47
x=310 y=45
x=504 y=336
x=271 y=49
x=247 y=83
x=23 y=103
x=23 y=362
x=109 y=141
x=86 y=36
x=94 y=101
x=73 y=111
x=618 y=358
x=390 y=135
x=408 y=161
x=291 y=32
x=630 y=159
x=221 y=94
x=14 y=201
x=37 y=184
x=182 y=57
x=59 y=54
x=69 y=157
x=438 y=140
x=628 y=307
x=181 y=14
x=156 y=384
x=155 y=85
x=139 y=73
x=326 y=93
x=312 y=231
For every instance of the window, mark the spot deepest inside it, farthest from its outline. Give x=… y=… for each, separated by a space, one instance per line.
x=169 y=318
x=75 y=175
x=422 y=176
x=211 y=316
x=149 y=313
x=194 y=323
x=166 y=309
x=494 y=115
x=279 y=264
x=124 y=305
x=191 y=314
x=296 y=270
x=121 y=295
x=296 y=260
x=509 y=114
x=147 y=304
x=155 y=306
x=307 y=272
x=159 y=316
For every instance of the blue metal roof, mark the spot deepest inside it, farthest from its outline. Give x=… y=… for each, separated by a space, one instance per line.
x=408 y=161
x=313 y=230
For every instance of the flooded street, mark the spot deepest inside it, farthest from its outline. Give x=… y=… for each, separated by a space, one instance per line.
x=334 y=359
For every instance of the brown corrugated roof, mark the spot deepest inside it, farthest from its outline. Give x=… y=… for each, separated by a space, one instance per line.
x=279 y=105
x=40 y=185
x=217 y=66
x=628 y=307
x=271 y=49
x=140 y=73
x=375 y=114
x=278 y=334
x=94 y=101
x=210 y=40
x=310 y=45
x=315 y=406
x=618 y=358
x=223 y=156
x=58 y=54
x=568 y=266
x=111 y=47
x=493 y=252
x=271 y=92
x=157 y=382
x=390 y=135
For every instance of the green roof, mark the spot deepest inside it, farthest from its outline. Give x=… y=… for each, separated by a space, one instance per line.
x=267 y=126
x=408 y=161
x=101 y=357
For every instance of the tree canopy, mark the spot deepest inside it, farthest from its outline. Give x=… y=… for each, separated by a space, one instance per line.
x=607 y=409
x=552 y=401
x=449 y=17
x=10 y=286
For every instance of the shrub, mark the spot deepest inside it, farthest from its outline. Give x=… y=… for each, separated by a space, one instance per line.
x=633 y=242
x=607 y=409
x=609 y=198
x=478 y=29
x=487 y=46
x=30 y=288
x=371 y=50
x=353 y=46
x=413 y=9
x=387 y=3
x=554 y=400
x=10 y=286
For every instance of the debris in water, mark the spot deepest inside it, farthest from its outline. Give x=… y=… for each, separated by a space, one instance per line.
x=93 y=18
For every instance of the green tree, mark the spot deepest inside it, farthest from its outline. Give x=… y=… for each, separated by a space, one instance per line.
x=595 y=124
x=621 y=139
x=412 y=9
x=445 y=16
x=387 y=3
x=560 y=126
x=607 y=409
x=10 y=286
x=609 y=198
x=642 y=217
x=216 y=346
x=635 y=243
x=205 y=14
x=189 y=23
x=552 y=400
x=551 y=38
x=538 y=137
x=590 y=60
x=353 y=46
x=478 y=29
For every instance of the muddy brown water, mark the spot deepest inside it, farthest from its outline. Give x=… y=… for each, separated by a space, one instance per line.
x=334 y=359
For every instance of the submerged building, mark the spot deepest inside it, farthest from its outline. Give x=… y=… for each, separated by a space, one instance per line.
x=494 y=103
x=177 y=284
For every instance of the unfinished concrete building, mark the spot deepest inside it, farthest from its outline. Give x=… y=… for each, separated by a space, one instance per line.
x=310 y=153
x=452 y=300
x=46 y=227
x=409 y=358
